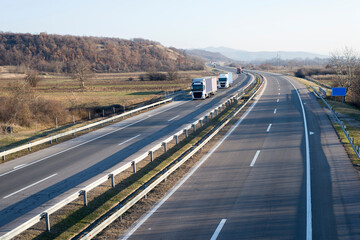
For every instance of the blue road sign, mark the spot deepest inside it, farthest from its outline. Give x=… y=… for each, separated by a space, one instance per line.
x=339 y=91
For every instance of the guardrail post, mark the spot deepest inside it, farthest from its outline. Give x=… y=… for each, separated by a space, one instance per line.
x=211 y=115
x=3 y=158
x=201 y=123
x=345 y=127
x=186 y=132
x=112 y=177
x=151 y=153
x=133 y=163
x=357 y=148
x=194 y=127
x=176 y=139
x=165 y=145
x=47 y=220
x=348 y=133
x=352 y=140
x=84 y=193
x=29 y=148
x=216 y=112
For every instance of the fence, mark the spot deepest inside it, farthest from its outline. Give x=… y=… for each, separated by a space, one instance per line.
x=83 y=192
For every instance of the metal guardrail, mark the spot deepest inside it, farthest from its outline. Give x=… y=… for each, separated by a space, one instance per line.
x=347 y=134
x=53 y=138
x=318 y=83
x=83 y=192
x=143 y=193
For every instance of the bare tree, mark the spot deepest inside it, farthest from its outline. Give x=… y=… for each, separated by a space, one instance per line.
x=345 y=64
x=172 y=74
x=81 y=71
x=32 y=78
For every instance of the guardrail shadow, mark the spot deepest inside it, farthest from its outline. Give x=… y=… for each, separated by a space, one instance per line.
x=38 y=199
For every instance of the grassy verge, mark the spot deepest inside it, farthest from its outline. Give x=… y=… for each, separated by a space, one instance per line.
x=350 y=115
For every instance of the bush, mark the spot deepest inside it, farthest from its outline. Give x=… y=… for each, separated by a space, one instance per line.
x=23 y=108
x=32 y=78
x=300 y=73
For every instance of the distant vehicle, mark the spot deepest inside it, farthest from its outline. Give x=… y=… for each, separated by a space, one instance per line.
x=239 y=70
x=202 y=88
x=225 y=80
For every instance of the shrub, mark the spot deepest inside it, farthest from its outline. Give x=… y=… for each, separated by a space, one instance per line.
x=300 y=73
x=32 y=78
x=156 y=76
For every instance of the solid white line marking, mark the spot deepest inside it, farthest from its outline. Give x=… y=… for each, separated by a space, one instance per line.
x=311 y=133
x=193 y=169
x=308 y=177
x=199 y=105
x=275 y=111
x=218 y=229
x=173 y=118
x=279 y=93
x=42 y=159
x=279 y=89
x=268 y=129
x=19 y=166
x=30 y=186
x=278 y=100
x=254 y=159
x=129 y=139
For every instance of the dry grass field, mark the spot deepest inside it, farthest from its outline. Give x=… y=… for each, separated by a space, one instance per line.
x=102 y=91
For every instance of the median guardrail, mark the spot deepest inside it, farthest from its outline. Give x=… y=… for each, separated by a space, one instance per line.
x=83 y=192
x=96 y=230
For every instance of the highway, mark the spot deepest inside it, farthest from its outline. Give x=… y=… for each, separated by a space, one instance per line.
x=280 y=173
x=27 y=183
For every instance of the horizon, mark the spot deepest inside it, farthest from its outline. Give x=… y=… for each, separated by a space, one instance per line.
x=319 y=27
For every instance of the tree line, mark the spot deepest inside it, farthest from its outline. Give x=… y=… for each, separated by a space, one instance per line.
x=56 y=53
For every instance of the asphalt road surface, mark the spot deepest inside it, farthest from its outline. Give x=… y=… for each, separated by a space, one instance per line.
x=30 y=181
x=257 y=184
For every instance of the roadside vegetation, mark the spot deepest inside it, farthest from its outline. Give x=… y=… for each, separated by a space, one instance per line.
x=59 y=100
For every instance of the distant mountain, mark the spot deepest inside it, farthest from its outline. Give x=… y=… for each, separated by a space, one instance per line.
x=208 y=55
x=247 y=56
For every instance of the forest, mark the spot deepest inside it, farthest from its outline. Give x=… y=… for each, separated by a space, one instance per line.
x=55 y=53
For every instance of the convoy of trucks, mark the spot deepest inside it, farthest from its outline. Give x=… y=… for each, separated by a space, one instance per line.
x=225 y=80
x=202 y=88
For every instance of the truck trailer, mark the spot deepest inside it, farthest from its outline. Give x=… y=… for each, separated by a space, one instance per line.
x=225 y=80
x=239 y=70
x=202 y=88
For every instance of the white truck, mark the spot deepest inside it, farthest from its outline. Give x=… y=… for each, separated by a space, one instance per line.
x=225 y=80
x=202 y=88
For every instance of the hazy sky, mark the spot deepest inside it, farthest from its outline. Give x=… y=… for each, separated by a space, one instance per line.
x=319 y=26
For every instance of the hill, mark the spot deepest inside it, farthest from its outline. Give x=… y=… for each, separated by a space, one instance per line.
x=54 y=53
x=208 y=56
x=261 y=56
